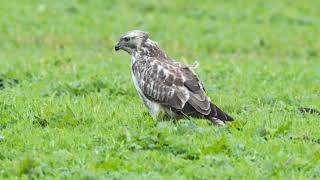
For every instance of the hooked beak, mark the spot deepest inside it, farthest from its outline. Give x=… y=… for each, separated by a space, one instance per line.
x=117 y=47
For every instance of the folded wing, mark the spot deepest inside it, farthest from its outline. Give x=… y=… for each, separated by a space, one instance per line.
x=173 y=85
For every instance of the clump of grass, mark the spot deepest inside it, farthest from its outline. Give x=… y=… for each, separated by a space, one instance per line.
x=25 y=166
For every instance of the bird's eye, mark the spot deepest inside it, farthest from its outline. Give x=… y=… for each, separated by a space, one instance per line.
x=126 y=39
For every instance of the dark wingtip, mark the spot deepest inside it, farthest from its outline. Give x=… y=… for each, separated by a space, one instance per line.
x=229 y=118
x=219 y=114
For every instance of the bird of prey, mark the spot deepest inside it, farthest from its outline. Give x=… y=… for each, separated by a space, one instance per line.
x=168 y=88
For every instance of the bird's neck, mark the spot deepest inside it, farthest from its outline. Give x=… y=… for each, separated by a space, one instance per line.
x=150 y=49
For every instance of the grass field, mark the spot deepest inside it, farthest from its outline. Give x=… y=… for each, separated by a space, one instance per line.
x=69 y=110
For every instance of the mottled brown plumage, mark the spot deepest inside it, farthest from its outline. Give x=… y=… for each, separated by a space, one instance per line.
x=166 y=85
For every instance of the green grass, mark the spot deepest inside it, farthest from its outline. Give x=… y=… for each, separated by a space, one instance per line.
x=68 y=108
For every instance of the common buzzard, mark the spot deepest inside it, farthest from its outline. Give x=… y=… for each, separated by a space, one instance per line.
x=167 y=87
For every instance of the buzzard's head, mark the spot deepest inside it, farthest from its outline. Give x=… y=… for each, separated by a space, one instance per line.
x=132 y=41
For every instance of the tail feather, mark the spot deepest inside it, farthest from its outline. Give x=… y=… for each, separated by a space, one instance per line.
x=217 y=113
